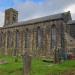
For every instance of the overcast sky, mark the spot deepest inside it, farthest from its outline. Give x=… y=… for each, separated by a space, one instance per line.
x=29 y=9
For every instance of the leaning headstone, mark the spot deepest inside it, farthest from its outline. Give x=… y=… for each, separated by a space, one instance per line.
x=27 y=63
x=56 y=56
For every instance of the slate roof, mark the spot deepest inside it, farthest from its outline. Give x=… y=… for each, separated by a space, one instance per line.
x=41 y=19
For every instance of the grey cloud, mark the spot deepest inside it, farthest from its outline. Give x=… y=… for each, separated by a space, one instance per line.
x=29 y=9
x=1 y=19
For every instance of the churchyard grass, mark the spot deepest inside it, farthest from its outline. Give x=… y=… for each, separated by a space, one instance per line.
x=38 y=67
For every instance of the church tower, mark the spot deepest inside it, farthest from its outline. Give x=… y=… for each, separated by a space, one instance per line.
x=11 y=16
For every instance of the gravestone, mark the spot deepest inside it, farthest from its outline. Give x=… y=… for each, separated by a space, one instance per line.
x=27 y=63
x=56 y=56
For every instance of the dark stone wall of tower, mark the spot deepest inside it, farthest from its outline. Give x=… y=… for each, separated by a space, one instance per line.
x=11 y=16
x=32 y=48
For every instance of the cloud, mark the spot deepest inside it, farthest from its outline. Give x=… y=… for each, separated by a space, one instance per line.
x=71 y=8
x=1 y=19
x=29 y=9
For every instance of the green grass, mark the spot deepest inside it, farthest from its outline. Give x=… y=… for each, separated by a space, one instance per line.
x=42 y=68
x=38 y=67
x=12 y=67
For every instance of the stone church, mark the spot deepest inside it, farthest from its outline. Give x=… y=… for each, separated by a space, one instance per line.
x=37 y=36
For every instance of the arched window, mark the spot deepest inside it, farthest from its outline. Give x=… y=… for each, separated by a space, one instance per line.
x=39 y=38
x=53 y=37
x=17 y=39
x=27 y=38
x=9 y=39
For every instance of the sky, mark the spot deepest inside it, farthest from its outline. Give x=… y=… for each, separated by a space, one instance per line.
x=30 y=9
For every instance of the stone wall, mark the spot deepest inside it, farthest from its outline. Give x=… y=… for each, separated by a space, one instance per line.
x=46 y=50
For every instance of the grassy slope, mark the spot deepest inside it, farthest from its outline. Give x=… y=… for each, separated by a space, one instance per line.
x=38 y=67
x=41 y=68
